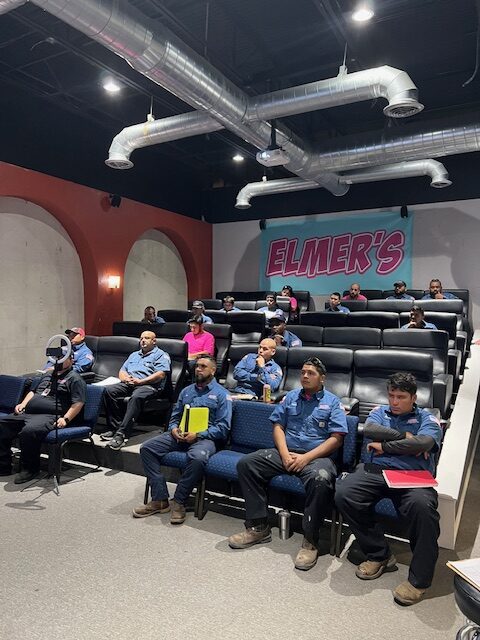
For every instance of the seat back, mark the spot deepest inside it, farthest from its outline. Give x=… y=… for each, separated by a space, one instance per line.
x=111 y=353
x=12 y=391
x=235 y=354
x=353 y=305
x=223 y=339
x=444 y=321
x=397 y=306
x=339 y=364
x=444 y=306
x=303 y=299
x=218 y=317
x=259 y=304
x=93 y=405
x=378 y=319
x=372 y=368
x=251 y=427
x=246 y=305
x=247 y=326
x=310 y=336
x=174 y=330
x=133 y=328
x=323 y=319
x=210 y=303
x=464 y=295
x=175 y=315
x=357 y=338
x=178 y=352
x=92 y=344
x=416 y=293
x=370 y=294
x=425 y=341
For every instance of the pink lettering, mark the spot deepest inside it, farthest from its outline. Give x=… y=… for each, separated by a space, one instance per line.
x=314 y=258
x=391 y=252
x=358 y=260
x=291 y=265
x=339 y=253
x=276 y=257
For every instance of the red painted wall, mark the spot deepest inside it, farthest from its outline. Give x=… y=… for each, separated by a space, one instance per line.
x=103 y=237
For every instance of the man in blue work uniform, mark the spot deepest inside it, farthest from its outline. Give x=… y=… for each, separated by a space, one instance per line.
x=272 y=309
x=229 y=304
x=150 y=316
x=417 y=319
x=335 y=305
x=400 y=291
x=206 y=392
x=257 y=369
x=402 y=436
x=82 y=355
x=198 y=309
x=282 y=337
x=437 y=293
x=142 y=376
x=308 y=429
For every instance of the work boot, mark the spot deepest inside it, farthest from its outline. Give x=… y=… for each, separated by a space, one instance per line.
x=372 y=569
x=154 y=506
x=177 y=512
x=406 y=594
x=249 y=537
x=307 y=556
x=25 y=476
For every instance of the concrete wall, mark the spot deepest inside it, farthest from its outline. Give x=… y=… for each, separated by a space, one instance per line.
x=446 y=244
x=41 y=282
x=154 y=275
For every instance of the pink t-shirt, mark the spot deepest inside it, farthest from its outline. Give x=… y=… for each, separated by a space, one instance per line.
x=202 y=342
x=359 y=297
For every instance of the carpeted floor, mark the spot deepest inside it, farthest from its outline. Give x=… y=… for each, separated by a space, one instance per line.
x=79 y=567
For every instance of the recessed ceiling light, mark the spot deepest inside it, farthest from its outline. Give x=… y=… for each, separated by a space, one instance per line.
x=111 y=85
x=363 y=13
x=238 y=157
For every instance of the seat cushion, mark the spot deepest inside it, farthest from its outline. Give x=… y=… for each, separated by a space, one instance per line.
x=288 y=483
x=386 y=508
x=177 y=459
x=224 y=465
x=468 y=599
x=68 y=433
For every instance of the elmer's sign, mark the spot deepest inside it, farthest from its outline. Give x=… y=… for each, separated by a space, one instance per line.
x=328 y=254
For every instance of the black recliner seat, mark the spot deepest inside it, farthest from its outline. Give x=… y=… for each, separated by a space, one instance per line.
x=247 y=326
x=209 y=303
x=434 y=343
x=467 y=598
x=310 y=336
x=377 y=319
x=446 y=322
x=372 y=368
x=238 y=351
x=174 y=315
x=323 y=319
x=397 y=306
x=352 y=338
x=173 y=330
x=370 y=294
x=416 y=293
x=110 y=353
x=223 y=339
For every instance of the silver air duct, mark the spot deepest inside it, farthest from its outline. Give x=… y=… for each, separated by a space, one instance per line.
x=9 y=5
x=432 y=168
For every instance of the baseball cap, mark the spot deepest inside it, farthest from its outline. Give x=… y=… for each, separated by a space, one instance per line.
x=197 y=303
x=399 y=283
x=77 y=331
x=275 y=320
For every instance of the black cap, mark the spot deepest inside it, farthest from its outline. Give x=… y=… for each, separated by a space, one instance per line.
x=399 y=283
x=275 y=320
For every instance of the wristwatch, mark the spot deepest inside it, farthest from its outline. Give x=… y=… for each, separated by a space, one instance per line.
x=67 y=420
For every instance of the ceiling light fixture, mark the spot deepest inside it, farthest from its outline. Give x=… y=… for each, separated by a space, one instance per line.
x=238 y=157
x=363 y=13
x=111 y=85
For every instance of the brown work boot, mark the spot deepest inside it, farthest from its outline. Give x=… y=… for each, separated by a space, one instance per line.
x=307 y=556
x=371 y=569
x=249 y=537
x=154 y=506
x=406 y=594
x=178 y=512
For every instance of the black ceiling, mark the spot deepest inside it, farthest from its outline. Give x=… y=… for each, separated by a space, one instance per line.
x=56 y=117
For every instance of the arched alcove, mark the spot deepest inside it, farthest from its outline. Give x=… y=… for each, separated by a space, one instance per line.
x=41 y=283
x=154 y=275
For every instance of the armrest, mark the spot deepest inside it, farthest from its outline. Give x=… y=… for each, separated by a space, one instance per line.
x=461 y=341
x=442 y=392
x=88 y=376
x=351 y=405
x=278 y=396
x=455 y=363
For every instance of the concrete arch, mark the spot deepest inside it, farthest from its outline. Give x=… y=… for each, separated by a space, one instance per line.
x=154 y=274
x=41 y=280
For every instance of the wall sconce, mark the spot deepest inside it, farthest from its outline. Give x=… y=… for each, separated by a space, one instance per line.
x=113 y=282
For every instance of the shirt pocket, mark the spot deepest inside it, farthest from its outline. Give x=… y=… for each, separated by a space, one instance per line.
x=317 y=422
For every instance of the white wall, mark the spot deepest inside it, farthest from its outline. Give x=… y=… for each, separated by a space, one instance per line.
x=446 y=245
x=41 y=284
x=154 y=275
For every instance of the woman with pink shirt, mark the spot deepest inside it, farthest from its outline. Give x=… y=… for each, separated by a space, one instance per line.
x=199 y=342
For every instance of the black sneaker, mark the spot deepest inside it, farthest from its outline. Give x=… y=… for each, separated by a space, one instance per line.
x=25 y=476
x=117 y=442
x=107 y=435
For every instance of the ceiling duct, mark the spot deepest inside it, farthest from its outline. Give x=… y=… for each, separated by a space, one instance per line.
x=9 y=5
x=432 y=168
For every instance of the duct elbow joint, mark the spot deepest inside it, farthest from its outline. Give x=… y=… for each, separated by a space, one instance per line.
x=117 y=161
x=403 y=104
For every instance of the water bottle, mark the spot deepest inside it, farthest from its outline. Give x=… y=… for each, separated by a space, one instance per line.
x=284 y=524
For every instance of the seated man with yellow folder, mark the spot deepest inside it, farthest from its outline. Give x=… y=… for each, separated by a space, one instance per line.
x=200 y=421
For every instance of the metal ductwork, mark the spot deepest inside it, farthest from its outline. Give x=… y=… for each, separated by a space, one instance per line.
x=432 y=168
x=9 y=5
x=161 y=56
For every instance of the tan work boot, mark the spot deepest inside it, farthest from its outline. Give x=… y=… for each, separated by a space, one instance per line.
x=307 y=556
x=154 y=506
x=178 y=512
x=249 y=537
x=371 y=569
x=406 y=594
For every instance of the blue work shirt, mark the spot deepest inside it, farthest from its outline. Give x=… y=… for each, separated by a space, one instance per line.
x=403 y=296
x=289 y=339
x=157 y=320
x=425 y=325
x=339 y=309
x=219 y=404
x=269 y=313
x=308 y=422
x=140 y=365
x=82 y=358
x=418 y=422
x=446 y=294
x=206 y=319
x=252 y=378
x=232 y=309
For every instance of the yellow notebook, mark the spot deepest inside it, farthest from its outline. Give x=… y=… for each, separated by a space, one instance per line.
x=194 y=419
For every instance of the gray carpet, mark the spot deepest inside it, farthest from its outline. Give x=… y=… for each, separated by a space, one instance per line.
x=78 y=566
